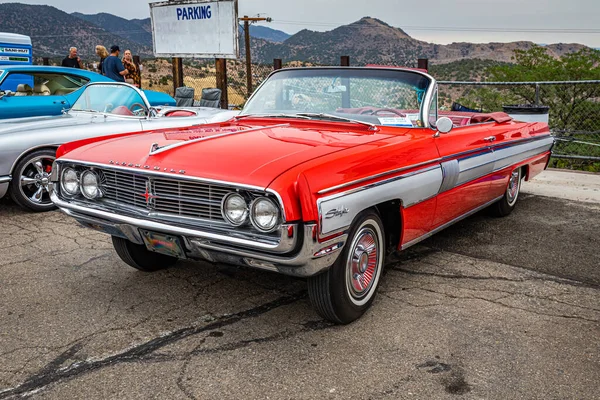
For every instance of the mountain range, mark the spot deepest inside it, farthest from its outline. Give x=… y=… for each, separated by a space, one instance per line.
x=367 y=41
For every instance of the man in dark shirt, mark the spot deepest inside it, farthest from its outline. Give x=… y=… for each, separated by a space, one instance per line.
x=113 y=67
x=72 y=60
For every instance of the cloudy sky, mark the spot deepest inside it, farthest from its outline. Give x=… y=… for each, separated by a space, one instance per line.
x=541 y=21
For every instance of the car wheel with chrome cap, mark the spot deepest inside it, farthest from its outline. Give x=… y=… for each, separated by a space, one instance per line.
x=31 y=179
x=507 y=203
x=347 y=289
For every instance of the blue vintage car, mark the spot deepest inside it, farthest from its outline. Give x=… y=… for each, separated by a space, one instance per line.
x=35 y=90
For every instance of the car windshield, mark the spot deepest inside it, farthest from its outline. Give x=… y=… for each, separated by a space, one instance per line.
x=376 y=95
x=112 y=99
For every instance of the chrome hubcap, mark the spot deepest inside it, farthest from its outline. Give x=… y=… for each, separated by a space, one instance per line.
x=512 y=192
x=35 y=179
x=363 y=263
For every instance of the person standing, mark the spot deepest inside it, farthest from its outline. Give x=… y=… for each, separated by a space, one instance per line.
x=102 y=53
x=133 y=77
x=72 y=60
x=112 y=67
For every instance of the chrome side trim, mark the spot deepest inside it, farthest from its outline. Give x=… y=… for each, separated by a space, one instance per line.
x=154 y=150
x=507 y=156
x=5 y=179
x=282 y=244
x=447 y=224
x=386 y=173
x=411 y=189
x=450 y=170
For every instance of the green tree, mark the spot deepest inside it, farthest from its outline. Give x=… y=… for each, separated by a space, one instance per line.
x=567 y=102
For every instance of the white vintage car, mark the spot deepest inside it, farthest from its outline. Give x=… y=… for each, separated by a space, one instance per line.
x=28 y=145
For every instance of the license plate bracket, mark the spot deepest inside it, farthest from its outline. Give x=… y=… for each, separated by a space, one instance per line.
x=169 y=245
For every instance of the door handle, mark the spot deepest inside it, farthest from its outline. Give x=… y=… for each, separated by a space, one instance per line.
x=490 y=138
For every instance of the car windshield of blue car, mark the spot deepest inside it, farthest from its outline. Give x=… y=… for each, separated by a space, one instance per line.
x=371 y=95
x=111 y=99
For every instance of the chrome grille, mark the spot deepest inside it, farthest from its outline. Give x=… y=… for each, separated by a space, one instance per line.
x=166 y=196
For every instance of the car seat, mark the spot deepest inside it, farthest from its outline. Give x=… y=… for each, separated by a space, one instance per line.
x=24 y=89
x=184 y=96
x=41 y=89
x=210 y=98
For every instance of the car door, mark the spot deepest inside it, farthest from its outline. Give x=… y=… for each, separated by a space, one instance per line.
x=30 y=97
x=467 y=162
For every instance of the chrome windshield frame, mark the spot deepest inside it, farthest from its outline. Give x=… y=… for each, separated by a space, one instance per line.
x=425 y=104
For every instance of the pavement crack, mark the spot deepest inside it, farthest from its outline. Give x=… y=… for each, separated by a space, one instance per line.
x=50 y=374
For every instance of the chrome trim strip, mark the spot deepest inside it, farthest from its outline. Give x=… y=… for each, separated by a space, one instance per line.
x=207 y=138
x=391 y=172
x=450 y=171
x=447 y=224
x=411 y=188
x=283 y=245
x=5 y=179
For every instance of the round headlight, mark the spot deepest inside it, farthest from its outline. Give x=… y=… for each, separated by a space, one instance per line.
x=90 y=185
x=234 y=209
x=264 y=214
x=70 y=182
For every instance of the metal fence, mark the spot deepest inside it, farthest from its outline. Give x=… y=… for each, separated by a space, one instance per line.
x=574 y=112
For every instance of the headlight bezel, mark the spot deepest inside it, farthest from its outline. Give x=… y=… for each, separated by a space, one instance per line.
x=90 y=172
x=277 y=220
x=226 y=216
x=77 y=179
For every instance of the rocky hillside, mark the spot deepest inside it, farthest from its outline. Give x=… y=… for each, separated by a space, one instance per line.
x=53 y=34
x=137 y=30
x=370 y=40
x=367 y=41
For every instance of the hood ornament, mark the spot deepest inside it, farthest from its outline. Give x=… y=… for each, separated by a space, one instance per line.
x=153 y=148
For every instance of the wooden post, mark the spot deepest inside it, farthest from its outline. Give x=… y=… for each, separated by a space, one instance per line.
x=136 y=61
x=45 y=61
x=248 y=56
x=277 y=64
x=345 y=61
x=177 y=73
x=221 y=67
x=423 y=63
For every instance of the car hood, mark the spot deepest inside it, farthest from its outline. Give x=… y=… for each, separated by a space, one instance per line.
x=232 y=152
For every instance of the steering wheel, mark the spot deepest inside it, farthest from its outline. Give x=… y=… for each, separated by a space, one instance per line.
x=141 y=110
x=389 y=110
x=108 y=107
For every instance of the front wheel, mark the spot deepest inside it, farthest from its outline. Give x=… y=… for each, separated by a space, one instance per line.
x=139 y=257
x=344 y=292
x=507 y=203
x=31 y=177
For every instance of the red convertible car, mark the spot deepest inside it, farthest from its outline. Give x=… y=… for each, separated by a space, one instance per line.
x=323 y=175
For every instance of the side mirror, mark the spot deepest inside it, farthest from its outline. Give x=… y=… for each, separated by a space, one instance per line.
x=6 y=93
x=444 y=125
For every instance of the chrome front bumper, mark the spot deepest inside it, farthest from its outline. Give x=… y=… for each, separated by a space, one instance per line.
x=300 y=255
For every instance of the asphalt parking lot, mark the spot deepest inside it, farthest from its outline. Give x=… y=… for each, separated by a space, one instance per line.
x=487 y=309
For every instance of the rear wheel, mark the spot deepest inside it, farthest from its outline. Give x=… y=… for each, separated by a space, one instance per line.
x=345 y=291
x=507 y=203
x=139 y=257
x=29 y=187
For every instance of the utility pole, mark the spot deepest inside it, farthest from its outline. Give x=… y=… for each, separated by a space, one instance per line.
x=247 y=21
